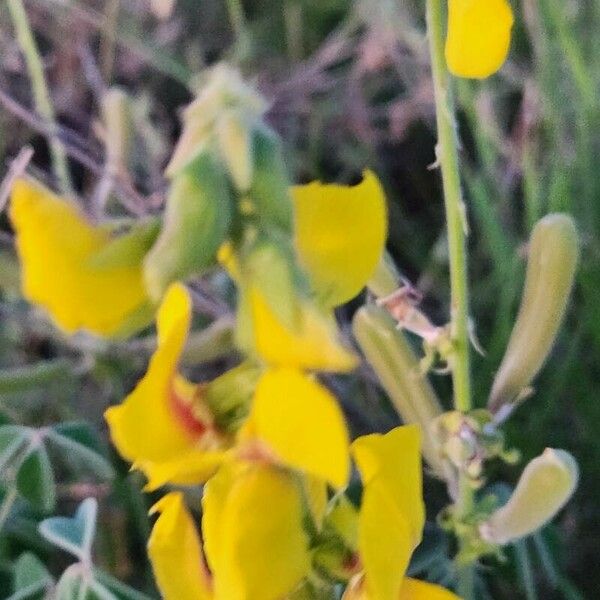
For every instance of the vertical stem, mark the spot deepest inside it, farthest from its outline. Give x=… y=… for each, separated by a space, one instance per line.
x=41 y=95
x=447 y=157
x=108 y=44
x=236 y=15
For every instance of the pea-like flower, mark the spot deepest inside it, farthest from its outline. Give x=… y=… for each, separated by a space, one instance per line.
x=391 y=518
x=167 y=429
x=340 y=234
x=81 y=273
x=478 y=36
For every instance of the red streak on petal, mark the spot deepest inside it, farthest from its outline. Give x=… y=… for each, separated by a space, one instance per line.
x=184 y=414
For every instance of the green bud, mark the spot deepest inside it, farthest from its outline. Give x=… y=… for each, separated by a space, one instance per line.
x=233 y=137
x=388 y=352
x=127 y=249
x=270 y=184
x=269 y=267
x=553 y=256
x=545 y=486
x=224 y=112
x=197 y=220
x=229 y=395
x=116 y=116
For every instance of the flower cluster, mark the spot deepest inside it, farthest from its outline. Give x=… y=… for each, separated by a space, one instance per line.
x=266 y=439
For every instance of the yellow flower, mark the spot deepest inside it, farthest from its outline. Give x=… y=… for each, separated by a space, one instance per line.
x=254 y=539
x=163 y=426
x=252 y=523
x=340 y=234
x=306 y=339
x=176 y=554
x=166 y=428
x=478 y=36
x=301 y=425
x=312 y=343
x=391 y=517
x=59 y=251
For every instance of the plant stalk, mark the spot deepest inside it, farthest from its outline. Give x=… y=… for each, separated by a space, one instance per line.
x=41 y=95
x=447 y=159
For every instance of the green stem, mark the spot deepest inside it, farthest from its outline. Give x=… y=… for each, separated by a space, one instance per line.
x=236 y=16
x=447 y=157
x=41 y=95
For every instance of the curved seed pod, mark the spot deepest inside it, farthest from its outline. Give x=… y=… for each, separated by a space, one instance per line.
x=270 y=184
x=553 y=255
x=197 y=219
x=546 y=485
x=396 y=366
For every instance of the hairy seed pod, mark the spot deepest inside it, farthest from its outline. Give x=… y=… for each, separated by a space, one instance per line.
x=396 y=366
x=270 y=185
x=197 y=219
x=546 y=485
x=551 y=265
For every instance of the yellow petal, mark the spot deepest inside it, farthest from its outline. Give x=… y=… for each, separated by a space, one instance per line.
x=478 y=36
x=262 y=551
x=340 y=235
x=155 y=422
x=385 y=544
x=192 y=468
x=56 y=246
x=301 y=422
x=392 y=463
x=175 y=552
x=413 y=589
x=314 y=344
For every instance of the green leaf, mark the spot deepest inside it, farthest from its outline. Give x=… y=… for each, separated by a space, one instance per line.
x=78 y=443
x=71 y=584
x=76 y=534
x=30 y=570
x=31 y=579
x=12 y=440
x=35 y=480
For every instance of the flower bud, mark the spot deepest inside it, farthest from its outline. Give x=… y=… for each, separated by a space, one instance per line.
x=545 y=486
x=117 y=122
x=197 y=219
x=229 y=395
x=233 y=138
x=396 y=366
x=224 y=99
x=270 y=184
x=553 y=255
x=478 y=36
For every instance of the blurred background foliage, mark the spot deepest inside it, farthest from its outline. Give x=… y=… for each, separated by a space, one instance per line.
x=349 y=87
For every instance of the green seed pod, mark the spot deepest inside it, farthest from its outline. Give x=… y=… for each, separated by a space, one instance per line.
x=396 y=366
x=546 y=485
x=197 y=219
x=270 y=184
x=553 y=255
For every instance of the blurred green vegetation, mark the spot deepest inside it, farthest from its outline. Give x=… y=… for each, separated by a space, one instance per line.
x=349 y=88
